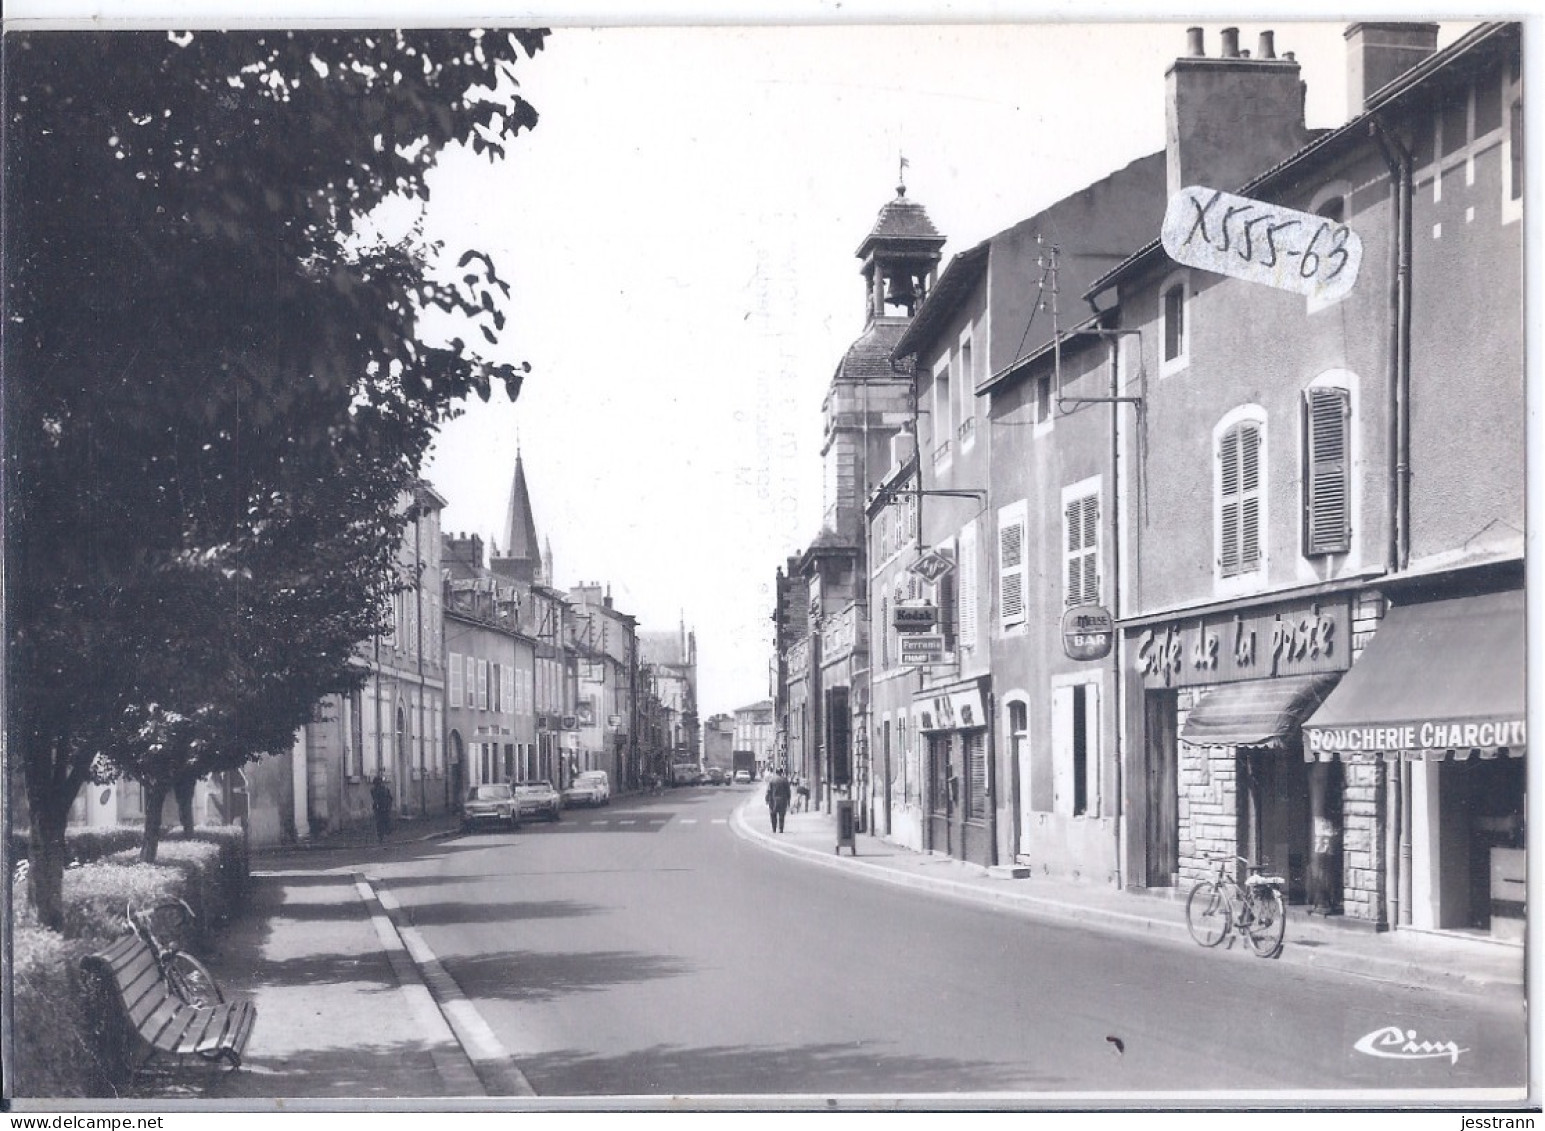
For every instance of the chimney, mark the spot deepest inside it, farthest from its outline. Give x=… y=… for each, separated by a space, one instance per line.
x=1230 y=118
x=1378 y=54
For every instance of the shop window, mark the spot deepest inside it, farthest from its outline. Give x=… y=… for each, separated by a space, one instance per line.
x=1239 y=498
x=1327 y=480
x=940 y=779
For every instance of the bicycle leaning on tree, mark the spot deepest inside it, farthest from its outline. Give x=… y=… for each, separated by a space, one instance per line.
x=1222 y=905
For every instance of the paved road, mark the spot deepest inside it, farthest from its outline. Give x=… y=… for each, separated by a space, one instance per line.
x=644 y=949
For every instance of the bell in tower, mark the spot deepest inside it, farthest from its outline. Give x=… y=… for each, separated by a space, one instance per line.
x=901 y=290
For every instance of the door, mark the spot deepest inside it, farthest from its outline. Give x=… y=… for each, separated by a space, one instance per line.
x=1162 y=783
x=886 y=748
x=1019 y=752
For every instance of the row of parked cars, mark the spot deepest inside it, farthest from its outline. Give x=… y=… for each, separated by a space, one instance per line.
x=507 y=804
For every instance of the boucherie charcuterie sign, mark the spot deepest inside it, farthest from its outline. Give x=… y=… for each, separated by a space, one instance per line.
x=1262 y=243
x=1436 y=735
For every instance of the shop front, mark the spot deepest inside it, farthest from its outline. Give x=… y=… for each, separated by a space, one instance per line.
x=1438 y=698
x=952 y=721
x=1224 y=700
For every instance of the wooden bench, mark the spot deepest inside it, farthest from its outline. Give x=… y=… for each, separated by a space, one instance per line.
x=162 y=1019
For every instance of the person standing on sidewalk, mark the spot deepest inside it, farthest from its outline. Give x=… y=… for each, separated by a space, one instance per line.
x=381 y=803
x=777 y=799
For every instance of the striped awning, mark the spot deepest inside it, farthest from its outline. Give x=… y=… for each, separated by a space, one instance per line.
x=1439 y=679
x=1262 y=712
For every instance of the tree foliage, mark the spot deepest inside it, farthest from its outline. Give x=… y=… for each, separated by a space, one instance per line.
x=215 y=392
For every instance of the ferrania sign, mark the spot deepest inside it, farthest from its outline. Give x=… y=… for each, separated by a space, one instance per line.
x=1510 y=733
x=1262 y=243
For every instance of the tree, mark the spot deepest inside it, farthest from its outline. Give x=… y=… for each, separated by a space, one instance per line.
x=208 y=363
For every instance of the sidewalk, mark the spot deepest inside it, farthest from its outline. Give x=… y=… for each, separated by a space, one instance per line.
x=343 y=1014
x=1411 y=958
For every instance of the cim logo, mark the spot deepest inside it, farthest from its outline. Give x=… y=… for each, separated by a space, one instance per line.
x=1394 y=1043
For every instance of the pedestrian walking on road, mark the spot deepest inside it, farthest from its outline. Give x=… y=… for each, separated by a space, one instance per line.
x=801 y=795
x=381 y=803
x=778 y=793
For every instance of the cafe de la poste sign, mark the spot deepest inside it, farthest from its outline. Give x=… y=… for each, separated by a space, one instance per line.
x=1262 y=243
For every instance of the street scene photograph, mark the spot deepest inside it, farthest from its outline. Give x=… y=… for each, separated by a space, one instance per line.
x=613 y=562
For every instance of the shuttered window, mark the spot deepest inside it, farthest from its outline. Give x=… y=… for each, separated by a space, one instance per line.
x=482 y=685
x=1327 y=471
x=1239 y=500
x=471 y=695
x=509 y=689
x=944 y=589
x=1081 y=527
x=1011 y=566
x=976 y=775
x=453 y=662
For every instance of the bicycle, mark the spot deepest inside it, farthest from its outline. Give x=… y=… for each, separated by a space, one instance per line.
x=188 y=978
x=1254 y=909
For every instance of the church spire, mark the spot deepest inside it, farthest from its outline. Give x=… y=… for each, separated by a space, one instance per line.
x=522 y=553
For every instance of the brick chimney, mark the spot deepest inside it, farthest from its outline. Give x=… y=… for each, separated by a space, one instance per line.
x=1231 y=117
x=1377 y=54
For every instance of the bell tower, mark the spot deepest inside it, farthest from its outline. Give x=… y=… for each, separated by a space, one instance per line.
x=869 y=398
x=900 y=258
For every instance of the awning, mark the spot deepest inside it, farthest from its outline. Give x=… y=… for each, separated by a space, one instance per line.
x=1261 y=712
x=1438 y=678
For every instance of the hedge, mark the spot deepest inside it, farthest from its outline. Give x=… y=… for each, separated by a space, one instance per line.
x=67 y=1045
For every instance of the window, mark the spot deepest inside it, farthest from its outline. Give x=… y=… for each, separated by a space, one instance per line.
x=885 y=633
x=482 y=685
x=357 y=732
x=943 y=413
x=1176 y=338
x=495 y=687
x=508 y=697
x=1011 y=565
x=1081 y=541
x=453 y=662
x=944 y=598
x=1327 y=470
x=470 y=698
x=964 y=412
x=1075 y=749
x=1043 y=415
x=1239 y=499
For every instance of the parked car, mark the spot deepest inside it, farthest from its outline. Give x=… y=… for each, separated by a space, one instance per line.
x=538 y=799
x=592 y=787
x=715 y=775
x=492 y=804
x=742 y=777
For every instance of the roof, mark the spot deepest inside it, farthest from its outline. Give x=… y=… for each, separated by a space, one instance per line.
x=900 y=219
x=963 y=273
x=1322 y=141
x=519 y=526
x=869 y=357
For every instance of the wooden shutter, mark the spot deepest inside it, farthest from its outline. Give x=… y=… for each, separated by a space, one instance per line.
x=1081 y=521
x=1011 y=570
x=1239 y=493
x=976 y=775
x=1062 y=751
x=454 y=665
x=482 y=685
x=1327 y=478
